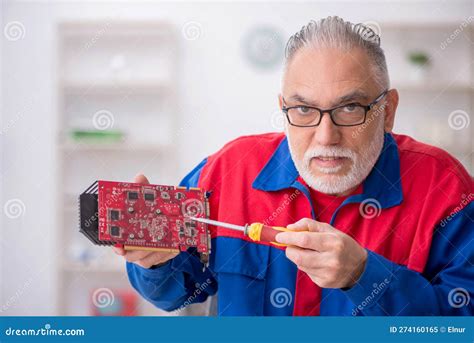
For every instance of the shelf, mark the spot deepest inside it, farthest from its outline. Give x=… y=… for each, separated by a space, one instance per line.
x=82 y=268
x=417 y=25
x=115 y=28
x=433 y=87
x=112 y=147
x=111 y=86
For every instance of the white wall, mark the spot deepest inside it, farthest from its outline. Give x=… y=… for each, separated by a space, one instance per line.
x=221 y=97
x=1 y=154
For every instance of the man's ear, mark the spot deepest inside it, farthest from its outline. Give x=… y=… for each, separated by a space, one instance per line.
x=280 y=104
x=390 y=110
x=280 y=101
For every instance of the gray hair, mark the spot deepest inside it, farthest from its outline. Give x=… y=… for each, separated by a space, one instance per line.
x=334 y=32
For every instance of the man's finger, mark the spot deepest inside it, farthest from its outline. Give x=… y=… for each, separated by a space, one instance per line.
x=119 y=251
x=135 y=255
x=140 y=178
x=307 y=224
x=155 y=259
x=301 y=225
x=303 y=239
x=304 y=258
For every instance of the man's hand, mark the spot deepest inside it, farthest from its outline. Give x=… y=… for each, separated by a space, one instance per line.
x=331 y=258
x=143 y=258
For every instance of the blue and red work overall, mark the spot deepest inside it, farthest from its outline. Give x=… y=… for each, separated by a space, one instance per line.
x=420 y=239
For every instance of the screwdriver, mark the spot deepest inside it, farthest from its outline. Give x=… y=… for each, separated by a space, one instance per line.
x=257 y=232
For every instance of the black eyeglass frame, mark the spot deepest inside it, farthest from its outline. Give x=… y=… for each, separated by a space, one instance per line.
x=329 y=111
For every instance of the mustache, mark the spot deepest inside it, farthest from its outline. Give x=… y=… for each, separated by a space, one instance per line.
x=329 y=152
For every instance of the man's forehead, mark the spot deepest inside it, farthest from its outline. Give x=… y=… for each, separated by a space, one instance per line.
x=328 y=64
x=327 y=74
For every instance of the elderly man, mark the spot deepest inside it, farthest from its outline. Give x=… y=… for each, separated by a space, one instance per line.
x=380 y=223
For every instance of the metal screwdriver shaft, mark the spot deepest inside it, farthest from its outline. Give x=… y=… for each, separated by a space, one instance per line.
x=258 y=232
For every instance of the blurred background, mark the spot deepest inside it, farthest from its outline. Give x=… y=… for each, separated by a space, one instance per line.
x=106 y=89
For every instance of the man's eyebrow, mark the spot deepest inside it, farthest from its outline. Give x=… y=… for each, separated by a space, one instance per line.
x=352 y=96
x=302 y=100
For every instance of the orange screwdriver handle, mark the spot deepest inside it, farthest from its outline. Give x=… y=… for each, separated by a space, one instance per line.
x=259 y=232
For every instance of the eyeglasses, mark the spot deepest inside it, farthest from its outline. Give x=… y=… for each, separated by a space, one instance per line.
x=352 y=114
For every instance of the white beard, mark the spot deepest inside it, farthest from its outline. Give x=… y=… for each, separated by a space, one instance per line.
x=330 y=183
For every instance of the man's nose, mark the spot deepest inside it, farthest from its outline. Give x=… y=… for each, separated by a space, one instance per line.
x=327 y=133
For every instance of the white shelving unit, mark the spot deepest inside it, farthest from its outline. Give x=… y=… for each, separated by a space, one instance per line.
x=427 y=101
x=119 y=78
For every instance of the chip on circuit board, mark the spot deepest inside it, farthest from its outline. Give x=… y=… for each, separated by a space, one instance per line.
x=145 y=216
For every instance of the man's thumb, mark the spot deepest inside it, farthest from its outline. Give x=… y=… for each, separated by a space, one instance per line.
x=140 y=178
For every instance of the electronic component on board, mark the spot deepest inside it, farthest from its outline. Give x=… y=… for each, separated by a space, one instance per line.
x=145 y=216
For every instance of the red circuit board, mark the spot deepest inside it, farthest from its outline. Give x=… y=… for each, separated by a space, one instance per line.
x=153 y=216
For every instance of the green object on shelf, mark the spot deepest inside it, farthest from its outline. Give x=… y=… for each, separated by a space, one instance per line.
x=106 y=136
x=419 y=58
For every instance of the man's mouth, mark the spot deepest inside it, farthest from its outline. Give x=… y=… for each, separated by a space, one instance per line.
x=329 y=161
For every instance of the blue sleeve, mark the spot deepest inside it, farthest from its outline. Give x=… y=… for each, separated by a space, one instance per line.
x=181 y=281
x=445 y=288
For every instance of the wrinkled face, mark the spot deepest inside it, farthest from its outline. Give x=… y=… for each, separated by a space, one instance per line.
x=334 y=159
